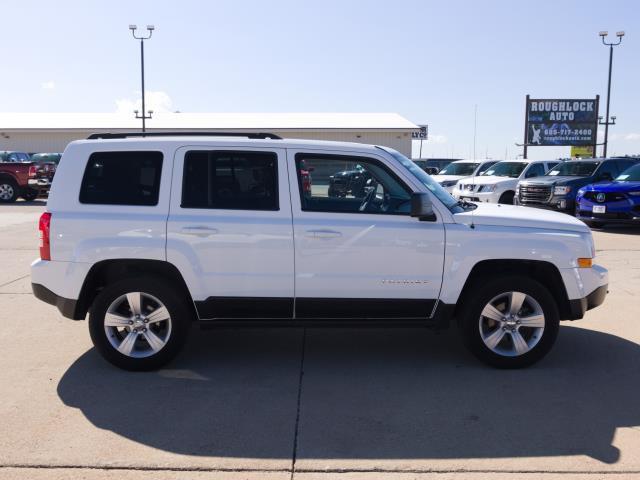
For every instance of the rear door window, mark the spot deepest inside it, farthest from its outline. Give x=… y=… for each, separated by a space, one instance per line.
x=122 y=178
x=233 y=180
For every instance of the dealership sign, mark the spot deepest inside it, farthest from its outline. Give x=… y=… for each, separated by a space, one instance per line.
x=422 y=134
x=572 y=122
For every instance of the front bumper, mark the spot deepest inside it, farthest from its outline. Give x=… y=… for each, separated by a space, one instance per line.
x=623 y=211
x=486 y=197
x=558 y=204
x=580 y=306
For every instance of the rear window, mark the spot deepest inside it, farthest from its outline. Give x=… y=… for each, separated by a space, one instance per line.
x=122 y=178
x=232 y=180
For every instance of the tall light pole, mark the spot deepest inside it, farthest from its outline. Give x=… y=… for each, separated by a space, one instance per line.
x=150 y=28
x=609 y=120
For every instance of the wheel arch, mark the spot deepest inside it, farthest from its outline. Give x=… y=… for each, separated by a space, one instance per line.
x=106 y=272
x=545 y=273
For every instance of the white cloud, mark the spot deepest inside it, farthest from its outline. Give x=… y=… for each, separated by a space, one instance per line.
x=50 y=85
x=157 y=101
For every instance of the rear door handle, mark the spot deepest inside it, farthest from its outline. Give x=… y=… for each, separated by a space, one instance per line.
x=199 y=230
x=323 y=233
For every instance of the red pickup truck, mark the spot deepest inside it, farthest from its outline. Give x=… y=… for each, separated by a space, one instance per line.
x=22 y=178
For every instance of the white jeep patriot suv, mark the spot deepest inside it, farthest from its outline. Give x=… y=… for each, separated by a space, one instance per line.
x=148 y=234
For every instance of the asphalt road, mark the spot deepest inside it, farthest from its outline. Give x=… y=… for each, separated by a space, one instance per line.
x=326 y=403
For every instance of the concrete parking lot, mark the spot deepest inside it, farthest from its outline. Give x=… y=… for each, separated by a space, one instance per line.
x=325 y=403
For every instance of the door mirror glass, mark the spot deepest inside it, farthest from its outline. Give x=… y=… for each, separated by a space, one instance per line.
x=421 y=207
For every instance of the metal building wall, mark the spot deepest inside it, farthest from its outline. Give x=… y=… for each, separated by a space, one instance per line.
x=56 y=141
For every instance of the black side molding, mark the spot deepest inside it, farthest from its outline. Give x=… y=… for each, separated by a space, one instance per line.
x=66 y=306
x=321 y=309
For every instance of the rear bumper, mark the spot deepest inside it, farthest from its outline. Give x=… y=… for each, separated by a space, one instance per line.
x=66 y=306
x=580 y=306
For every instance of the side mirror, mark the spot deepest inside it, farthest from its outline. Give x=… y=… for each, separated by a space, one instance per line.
x=422 y=208
x=431 y=170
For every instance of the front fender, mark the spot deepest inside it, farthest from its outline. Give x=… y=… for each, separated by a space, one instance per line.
x=467 y=246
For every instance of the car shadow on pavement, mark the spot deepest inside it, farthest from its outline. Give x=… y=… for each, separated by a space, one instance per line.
x=366 y=394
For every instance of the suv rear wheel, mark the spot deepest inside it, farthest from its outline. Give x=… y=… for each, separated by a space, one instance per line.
x=511 y=322
x=139 y=323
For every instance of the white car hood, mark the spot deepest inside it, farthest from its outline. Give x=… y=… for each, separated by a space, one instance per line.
x=446 y=178
x=488 y=180
x=518 y=216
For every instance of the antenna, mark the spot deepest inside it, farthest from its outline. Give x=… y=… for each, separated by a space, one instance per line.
x=473 y=174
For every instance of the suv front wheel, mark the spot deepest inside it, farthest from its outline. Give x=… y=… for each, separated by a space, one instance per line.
x=139 y=323
x=511 y=322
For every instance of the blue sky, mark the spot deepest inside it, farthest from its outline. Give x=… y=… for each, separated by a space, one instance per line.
x=430 y=61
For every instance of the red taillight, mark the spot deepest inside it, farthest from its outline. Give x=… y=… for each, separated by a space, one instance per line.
x=45 y=245
x=33 y=170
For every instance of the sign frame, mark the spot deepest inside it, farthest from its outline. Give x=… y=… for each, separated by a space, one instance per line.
x=585 y=124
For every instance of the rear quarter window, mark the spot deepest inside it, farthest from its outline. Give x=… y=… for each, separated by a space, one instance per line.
x=122 y=178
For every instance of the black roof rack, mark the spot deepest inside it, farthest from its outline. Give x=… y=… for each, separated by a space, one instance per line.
x=257 y=136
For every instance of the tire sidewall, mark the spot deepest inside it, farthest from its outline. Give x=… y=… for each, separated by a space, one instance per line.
x=507 y=198
x=178 y=310
x=478 y=298
x=13 y=185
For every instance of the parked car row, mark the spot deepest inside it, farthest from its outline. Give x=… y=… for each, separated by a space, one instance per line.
x=26 y=175
x=596 y=190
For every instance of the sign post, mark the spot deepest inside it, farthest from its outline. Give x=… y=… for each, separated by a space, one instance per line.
x=422 y=134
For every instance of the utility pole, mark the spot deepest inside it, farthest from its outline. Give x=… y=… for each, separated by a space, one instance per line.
x=145 y=114
x=609 y=120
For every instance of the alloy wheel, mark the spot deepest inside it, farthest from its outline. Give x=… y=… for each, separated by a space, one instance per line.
x=511 y=324
x=137 y=324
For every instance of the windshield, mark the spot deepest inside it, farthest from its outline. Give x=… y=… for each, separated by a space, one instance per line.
x=465 y=169
x=506 y=169
x=573 y=168
x=433 y=186
x=631 y=174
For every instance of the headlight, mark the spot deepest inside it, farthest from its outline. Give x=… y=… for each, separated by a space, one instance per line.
x=448 y=183
x=635 y=194
x=581 y=192
x=561 y=190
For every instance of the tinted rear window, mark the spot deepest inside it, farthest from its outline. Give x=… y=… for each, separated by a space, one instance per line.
x=232 y=180
x=122 y=178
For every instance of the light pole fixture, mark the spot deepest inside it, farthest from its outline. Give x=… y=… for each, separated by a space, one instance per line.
x=150 y=28
x=608 y=120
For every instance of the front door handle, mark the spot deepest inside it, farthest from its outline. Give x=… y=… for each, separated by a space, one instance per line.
x=199 y=230
x=323 y=233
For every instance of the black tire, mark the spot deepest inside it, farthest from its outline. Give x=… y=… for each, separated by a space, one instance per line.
x=481 y=293
x=507 y=198
x=179 y=311
x=8 y=190
x=30 y=195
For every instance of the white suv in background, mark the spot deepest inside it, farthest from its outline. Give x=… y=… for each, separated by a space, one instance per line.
x=148 y=235
x=498 y=183
x=448 y=177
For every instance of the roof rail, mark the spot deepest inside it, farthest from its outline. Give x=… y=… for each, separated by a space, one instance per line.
x=257 y=136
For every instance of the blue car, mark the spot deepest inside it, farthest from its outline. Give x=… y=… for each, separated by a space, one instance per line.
x=612 y=202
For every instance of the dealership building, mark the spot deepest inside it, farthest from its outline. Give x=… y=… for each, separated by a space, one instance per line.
x=51 y=132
